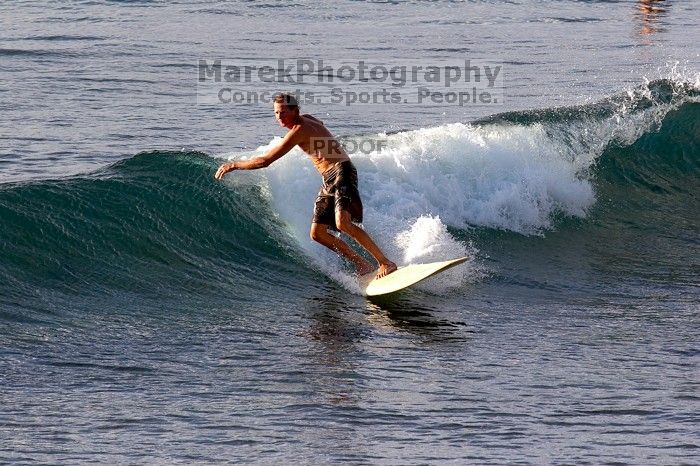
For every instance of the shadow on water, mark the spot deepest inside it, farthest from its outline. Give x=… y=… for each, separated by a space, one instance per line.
x=344 y=331
x=405 y=311
x=338 y=317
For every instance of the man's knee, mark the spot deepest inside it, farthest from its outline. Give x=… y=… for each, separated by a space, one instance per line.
x=343 y=222
x=318 y=232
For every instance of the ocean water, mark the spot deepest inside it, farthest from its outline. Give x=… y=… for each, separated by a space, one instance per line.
x=151 y=315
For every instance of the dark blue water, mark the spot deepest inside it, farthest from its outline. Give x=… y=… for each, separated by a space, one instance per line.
x=149 y=314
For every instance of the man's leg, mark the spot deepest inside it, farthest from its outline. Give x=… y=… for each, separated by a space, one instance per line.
x=319 y=233
x=344 y=223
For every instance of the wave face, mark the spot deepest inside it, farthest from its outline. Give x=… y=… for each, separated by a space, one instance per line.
x=157 y=224
x=154 y=226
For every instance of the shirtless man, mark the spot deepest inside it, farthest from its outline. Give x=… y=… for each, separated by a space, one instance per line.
x=338 y=205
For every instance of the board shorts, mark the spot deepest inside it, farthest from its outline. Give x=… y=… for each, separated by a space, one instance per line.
x=338 y=192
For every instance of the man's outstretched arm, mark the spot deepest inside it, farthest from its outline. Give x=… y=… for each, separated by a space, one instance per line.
x=263 y=161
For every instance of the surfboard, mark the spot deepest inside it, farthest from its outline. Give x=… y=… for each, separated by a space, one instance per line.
x=404 y=277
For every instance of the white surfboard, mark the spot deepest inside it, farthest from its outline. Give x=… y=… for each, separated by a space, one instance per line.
x=403 y=277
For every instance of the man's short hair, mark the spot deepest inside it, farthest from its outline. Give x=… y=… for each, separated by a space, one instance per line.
x=288 y=100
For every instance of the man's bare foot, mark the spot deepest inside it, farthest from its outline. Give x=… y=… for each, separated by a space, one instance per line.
x=385 y=269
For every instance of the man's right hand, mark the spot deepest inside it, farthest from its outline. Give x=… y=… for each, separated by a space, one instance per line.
x=223 y=169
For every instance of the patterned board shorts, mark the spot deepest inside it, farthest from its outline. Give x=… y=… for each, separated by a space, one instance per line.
x=338 y=192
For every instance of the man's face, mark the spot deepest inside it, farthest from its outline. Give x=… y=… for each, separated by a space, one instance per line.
x=285 y=116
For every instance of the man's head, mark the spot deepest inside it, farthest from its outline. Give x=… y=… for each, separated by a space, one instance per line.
x=286 y=109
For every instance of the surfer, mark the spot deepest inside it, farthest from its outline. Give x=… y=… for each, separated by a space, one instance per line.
x=338 y=205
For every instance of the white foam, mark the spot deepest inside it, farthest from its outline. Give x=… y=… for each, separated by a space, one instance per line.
x=456 y=175
x=513 y=178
